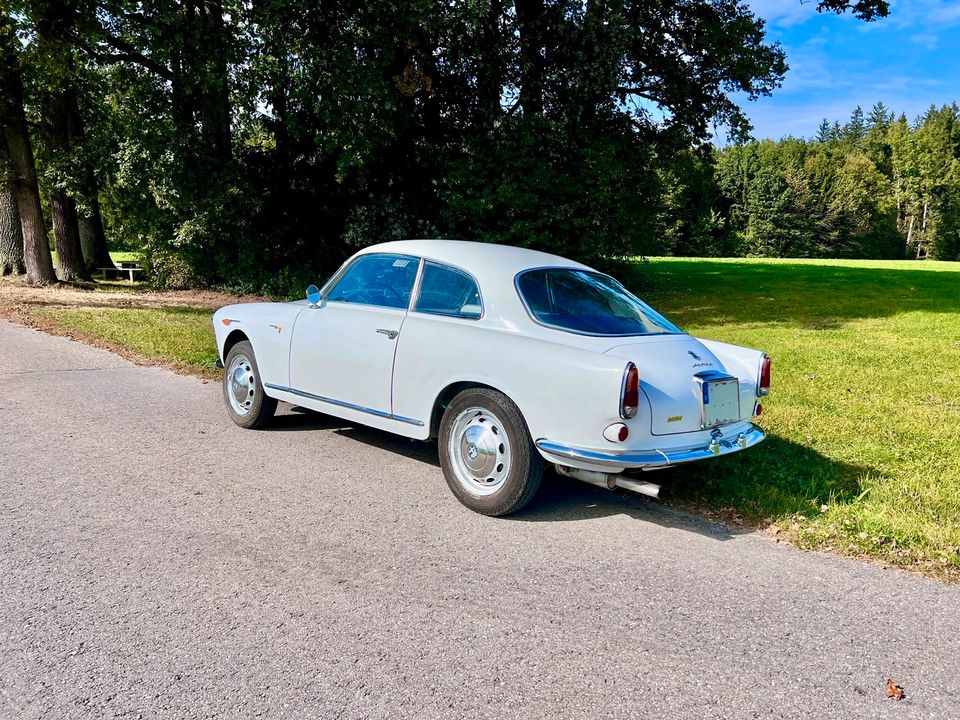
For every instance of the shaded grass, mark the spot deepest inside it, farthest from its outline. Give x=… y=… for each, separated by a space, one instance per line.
x=864 y=419
x=863 y=425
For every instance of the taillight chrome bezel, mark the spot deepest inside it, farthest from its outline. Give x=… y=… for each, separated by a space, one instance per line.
x=628 y=411
x=763 y=369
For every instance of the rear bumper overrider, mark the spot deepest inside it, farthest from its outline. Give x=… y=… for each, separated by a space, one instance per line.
x=651 y=459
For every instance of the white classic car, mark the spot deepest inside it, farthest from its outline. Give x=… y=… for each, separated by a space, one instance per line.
x=512 y=358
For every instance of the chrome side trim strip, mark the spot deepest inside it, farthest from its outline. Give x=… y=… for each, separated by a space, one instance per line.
x=344 y=404
x=655 y=458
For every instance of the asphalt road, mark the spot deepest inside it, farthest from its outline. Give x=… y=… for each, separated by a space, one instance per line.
x=157 y=561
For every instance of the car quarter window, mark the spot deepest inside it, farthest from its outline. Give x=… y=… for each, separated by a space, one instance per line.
x=382 y=280
x=446 y=291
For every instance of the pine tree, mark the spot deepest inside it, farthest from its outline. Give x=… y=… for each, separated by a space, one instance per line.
x=825 y=132
x=879 y=117
x=856 y=129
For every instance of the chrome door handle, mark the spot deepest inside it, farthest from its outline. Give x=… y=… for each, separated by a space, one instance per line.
x=391 y=334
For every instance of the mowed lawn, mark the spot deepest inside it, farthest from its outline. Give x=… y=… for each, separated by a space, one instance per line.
x=863 y=423
x=863 y=449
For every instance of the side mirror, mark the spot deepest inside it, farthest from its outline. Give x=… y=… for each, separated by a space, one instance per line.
x=313 y=295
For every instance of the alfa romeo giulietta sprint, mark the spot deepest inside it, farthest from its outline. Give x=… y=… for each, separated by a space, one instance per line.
x=511 y=358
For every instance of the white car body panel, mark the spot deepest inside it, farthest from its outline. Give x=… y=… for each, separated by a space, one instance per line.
x=319 y=367
x=390 y=368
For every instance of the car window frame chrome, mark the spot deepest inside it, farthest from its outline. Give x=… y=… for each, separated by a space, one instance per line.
x=571 y=268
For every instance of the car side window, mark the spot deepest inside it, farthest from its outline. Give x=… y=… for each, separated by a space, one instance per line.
x=382 y=280
x=446 y=291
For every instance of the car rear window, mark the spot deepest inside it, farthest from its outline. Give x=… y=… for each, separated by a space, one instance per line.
x=587 y=302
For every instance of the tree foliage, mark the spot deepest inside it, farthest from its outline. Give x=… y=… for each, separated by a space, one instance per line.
x=874 y=187
x=254 y=144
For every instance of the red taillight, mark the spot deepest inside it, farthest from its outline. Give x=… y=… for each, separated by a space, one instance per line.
x=763 y=387
x=630 y=394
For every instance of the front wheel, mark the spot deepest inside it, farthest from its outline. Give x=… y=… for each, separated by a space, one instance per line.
x=487 y=455
x=246 y=402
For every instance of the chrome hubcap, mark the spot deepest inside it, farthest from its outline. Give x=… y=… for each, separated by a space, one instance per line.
x=241 y=384
x=479 y=451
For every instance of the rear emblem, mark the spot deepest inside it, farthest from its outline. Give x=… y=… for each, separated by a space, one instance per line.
x=700 y=362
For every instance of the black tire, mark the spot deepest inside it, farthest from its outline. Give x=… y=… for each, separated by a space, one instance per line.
x=517 y=479
x=259 y=407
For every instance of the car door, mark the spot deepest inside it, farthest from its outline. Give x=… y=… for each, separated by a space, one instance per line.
x=343 y=348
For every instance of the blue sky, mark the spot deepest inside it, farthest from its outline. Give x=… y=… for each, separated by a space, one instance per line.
x=908 y=60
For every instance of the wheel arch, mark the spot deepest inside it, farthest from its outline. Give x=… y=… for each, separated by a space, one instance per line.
x=235 y=336
x=445 y=396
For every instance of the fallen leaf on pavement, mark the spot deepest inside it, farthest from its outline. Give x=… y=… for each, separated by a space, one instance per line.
x=894 y=691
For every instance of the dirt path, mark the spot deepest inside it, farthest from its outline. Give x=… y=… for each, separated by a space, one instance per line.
x=16 y=297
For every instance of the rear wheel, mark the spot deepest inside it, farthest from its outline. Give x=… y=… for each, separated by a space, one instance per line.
x=246 y=402
x=487 y=455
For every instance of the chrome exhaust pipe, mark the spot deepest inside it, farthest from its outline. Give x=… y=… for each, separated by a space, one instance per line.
x=610 y=481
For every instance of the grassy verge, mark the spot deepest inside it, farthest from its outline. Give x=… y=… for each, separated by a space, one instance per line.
x=864 y=418
x=182 y=337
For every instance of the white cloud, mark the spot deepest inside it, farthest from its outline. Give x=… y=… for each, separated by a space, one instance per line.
x=784 y=13
x=932 y=15
x=927 y=15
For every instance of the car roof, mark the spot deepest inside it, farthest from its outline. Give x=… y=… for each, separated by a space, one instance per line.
x=485 y=260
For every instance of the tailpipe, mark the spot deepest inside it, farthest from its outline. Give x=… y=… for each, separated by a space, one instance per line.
x=610 y=481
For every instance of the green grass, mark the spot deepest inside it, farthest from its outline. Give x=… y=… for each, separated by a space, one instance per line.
x=120 y=256
x=864 y=418
x=116 y=256
x=182 y=336
x=863 y=448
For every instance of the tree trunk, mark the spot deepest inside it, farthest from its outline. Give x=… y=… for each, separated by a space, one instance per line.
x=490 y=69
x=93 y=239
x=16 y=139
x=55 y=23
x=922 y=243
x=215 y=99
x=66 y=230
x=63 y=208
x=11 y=236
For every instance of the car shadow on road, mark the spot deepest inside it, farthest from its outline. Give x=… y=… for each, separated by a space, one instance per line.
x=797 y=476
x=563 y=499
x=560 y=499
x=297 y=419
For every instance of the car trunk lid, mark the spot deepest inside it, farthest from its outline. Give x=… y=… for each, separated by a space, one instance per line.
x=684 y=382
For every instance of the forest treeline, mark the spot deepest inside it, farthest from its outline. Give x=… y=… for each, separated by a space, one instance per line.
x=254 y=144
x=877 y=186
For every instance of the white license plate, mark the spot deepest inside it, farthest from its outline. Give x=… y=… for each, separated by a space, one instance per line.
x=721 y=402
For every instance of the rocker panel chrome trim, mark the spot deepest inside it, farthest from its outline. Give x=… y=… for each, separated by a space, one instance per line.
x=344 y=404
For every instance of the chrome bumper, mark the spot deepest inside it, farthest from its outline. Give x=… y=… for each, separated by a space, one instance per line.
x=719 y=445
